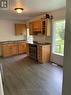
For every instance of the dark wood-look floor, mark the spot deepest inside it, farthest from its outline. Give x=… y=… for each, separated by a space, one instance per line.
x=23 y=76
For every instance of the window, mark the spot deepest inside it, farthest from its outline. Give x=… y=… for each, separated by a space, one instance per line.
x=58 y=37
x=29 y=37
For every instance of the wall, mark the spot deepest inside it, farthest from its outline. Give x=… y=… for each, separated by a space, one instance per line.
x=67 y=55
x=7 y=30
x=58 y=14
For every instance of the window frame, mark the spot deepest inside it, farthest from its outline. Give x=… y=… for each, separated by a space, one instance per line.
x=53 y=36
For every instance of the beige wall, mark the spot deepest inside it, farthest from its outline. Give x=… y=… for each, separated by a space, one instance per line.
x=58 y=14
x=7 y=30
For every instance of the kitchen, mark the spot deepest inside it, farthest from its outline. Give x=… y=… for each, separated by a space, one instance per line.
x=18 y=39
x=30 y=37
x=12 y=48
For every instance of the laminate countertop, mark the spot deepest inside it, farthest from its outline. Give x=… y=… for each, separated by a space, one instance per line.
x=16 y=41
x=36 y=43
x=33 y=43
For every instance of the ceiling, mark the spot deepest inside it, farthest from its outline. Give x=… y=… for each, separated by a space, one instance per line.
x=31 y=8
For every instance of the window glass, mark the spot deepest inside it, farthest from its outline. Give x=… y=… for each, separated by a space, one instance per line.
x=58 y=37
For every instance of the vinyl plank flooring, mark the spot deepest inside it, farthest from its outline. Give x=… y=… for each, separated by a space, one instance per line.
x=24 y=76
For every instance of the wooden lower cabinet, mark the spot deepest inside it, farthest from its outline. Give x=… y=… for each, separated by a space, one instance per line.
x=22 y=48
x=11 y=49
x=43 y=53
x=27 y=49
x=6 y=50
x=14 y=49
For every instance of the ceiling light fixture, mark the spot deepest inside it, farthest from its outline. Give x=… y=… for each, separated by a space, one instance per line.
x=19 y=10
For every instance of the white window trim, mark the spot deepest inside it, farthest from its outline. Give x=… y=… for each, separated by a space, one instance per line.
x=53 y=34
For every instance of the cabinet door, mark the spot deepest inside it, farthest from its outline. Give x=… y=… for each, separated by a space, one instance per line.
x=22 y=48
x=48 y=28
x=37 y=26
x=20 y=29
x=31 y=28
x=14 y=49
x=39 y=53
x=7 y=50
x=27 y=49
x=43 y=53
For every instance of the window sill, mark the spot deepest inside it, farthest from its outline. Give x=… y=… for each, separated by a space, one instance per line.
x=58 y=54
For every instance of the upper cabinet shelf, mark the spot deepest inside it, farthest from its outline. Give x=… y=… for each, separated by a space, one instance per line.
x=42 y=26
x=20 y=29
x=46 y=27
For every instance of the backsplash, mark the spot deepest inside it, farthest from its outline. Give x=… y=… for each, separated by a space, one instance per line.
x=42 y=38
x=39 y=38
x=12 y=38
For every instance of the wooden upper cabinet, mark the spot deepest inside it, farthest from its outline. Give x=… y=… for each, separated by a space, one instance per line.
x=35 y=27
x=40 y=26
x=46 y=27
x=20 y=29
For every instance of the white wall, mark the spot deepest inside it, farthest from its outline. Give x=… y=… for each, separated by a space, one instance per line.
x=7 y=30
x=67 y=56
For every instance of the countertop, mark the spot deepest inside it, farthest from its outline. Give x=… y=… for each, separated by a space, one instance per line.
x=36 y=43
x=33 y=43
x=15 y=41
